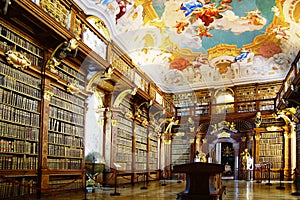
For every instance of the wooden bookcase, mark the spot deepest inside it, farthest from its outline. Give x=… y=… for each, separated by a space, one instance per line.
x=20 y=114
x=270 y=148
x=141 y=143
x=124 y=139
x=181 y=150
x=153 y=150
x=31 y=128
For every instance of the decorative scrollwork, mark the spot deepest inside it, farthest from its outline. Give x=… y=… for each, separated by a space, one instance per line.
x=17 y=59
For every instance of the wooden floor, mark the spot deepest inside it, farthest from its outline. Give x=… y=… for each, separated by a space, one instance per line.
x=235 y=190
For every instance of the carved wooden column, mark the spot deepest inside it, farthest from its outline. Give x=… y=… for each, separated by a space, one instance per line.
x=43 y=180
x=134 y=175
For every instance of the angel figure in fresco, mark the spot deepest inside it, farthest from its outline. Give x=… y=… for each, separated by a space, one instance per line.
x=280 y=32
x=208 y=14
x=254 y=17
x=244 y=55
x=122 y=6
x=242 y=62
x=189 y=7
x=180 y=26
x=226 y=4
x=203 y=31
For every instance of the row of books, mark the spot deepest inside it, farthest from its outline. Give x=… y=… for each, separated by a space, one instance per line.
x=9 y=130
x=66 y=128
x=123 y=157
x=67 y=116
x=15 y=115
x=271 y=147
x=18 y=146
x=272 y=135
x=141 y=139
x=65 y=151
x=73 y=72
x=22 y=76
x=124 y=134
x=20 y=41
x=153 y=148
x=141 y=131
x=124 y=166
x=271 y=159
x=141 y=146
x=268 y=152
x=64 y=139
x=35 y=60
x=125 y=142
x=121 y=149
x=18 y=187
x=124 y=128
x=272 y=176
x=64 y=164
x=18 y=100
x=67 y=105
x=140 y=166
x=124 y=121
x=153 y=155
x=153 y=166
x=70 y=79
x=9 y=162
x=67 y=96
x=17 y=86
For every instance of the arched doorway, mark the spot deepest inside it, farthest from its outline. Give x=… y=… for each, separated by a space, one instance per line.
x=225 y=151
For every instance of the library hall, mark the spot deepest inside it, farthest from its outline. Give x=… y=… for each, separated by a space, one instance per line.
x=156 y=99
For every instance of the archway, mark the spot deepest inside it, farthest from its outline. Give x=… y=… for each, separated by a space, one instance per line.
x=225 y=151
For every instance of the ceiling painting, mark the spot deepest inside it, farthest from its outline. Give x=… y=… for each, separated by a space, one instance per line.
x=195 y=44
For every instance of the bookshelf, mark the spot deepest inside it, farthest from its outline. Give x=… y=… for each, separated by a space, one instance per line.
x=11 y=39
x=72 y=76
x=181 y=150
x=245 y=93
x=271 y=148
x=124 y=139
x=153 y=150
x=66 y=131
x=141 y=148
x=20 y=98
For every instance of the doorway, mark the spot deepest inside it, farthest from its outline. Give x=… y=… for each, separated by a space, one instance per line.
x=227 y=159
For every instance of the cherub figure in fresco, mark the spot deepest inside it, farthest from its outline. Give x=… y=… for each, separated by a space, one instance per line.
x=254 y=17
x=189 y=7
x=244 y=56
x=122 y=6
x=180 y=26
x=280 y=32
x=203 y=31
x=225 y=4
x=208 y=14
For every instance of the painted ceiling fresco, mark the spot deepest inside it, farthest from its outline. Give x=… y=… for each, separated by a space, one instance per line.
x=194 y=44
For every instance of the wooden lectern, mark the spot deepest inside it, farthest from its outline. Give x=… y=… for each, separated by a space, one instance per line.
x=203 y=181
